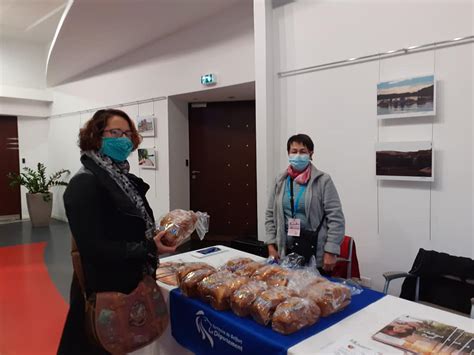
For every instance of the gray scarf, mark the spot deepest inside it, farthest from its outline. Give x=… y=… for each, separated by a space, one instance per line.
x=118 y=172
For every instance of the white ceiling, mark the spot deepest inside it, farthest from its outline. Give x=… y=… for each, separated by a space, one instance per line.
x=30 y=20
x=97 y=31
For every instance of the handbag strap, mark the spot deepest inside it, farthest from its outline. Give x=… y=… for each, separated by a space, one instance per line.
x=77 y=266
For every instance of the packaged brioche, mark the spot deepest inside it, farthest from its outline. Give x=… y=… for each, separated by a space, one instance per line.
x=273 y=275
x=189 y=283
x=300 y=280
x=166 y=272
x=242 y=299
x=180 y=224
x=235 y=264
x=186 y=268
x=329 y=296
x=249 y=269
x=294 y=314
x=217 y=288
x=265 y=304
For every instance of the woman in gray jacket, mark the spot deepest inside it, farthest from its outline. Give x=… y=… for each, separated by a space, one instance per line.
x=304 y=203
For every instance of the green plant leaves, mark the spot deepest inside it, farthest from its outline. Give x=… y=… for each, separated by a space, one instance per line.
x=35 y=180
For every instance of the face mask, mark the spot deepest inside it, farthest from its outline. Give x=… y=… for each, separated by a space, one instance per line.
x=299 y=162
x=116 y=148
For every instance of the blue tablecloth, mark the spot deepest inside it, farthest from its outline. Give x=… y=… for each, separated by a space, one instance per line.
x=198 y=327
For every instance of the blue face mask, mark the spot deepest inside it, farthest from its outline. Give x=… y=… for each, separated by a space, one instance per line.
x=116 y=148
x=299 y=162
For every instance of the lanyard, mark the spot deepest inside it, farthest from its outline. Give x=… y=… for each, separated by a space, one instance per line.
x=294 y=204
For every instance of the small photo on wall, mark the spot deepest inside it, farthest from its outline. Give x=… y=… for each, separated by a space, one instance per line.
x=409 y=161
x=146 y=126
x=147 y=158
x=407 y=98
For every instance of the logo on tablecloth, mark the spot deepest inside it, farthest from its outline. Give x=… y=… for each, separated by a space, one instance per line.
x=208 y=331
x=204 y=327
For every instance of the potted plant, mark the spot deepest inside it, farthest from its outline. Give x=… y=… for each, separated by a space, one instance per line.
x=38 y=198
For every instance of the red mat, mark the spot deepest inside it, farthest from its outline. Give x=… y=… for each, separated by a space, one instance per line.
x=32 y=311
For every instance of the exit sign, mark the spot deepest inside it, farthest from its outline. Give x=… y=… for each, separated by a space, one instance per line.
x=208 y=79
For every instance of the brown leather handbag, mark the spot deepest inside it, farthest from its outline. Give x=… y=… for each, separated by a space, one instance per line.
x=122 y=323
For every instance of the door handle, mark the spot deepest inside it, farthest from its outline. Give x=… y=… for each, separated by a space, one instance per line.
x=195 y=172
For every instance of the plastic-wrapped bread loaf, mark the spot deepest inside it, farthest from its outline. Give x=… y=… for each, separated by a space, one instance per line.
x=242 y=299
x=294 y=314
x=189 y=283
x=329 y=296
x=263 y=307
x=235 y=264
x=217 y=288
x=273 y=275
x=180 y=224
x=188 y=267
x=249 y=269
x=300 y=280
x=166 y=272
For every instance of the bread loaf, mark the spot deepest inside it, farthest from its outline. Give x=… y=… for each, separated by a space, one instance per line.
x=263 y=307
x=235 y=264
x=248 y=269
x=178 y=224
x=294 y=314
x=217 y=288
x=189 y=283
x=330 y=297
x=241 y=300
x=188 y=267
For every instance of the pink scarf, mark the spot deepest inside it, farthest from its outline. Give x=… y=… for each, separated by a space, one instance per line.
x=301 y=177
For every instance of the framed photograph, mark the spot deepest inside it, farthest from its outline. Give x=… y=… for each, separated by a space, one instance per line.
x=147 y=158
x=411 y=97
x=146 y=125
x=409 y=161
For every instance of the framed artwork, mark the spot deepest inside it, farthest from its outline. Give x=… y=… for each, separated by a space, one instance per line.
x=147 y=158
x=409 y=161
x=146 y=125
x=411 y=97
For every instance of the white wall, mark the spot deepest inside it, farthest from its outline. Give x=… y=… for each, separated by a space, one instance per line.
x=266 y=121
x=337 y=108
x=222 y=45
x=178 y=136
x=33 y=147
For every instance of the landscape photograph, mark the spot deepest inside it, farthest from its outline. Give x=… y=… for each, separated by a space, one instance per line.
x=404 y=161
x=406 y=98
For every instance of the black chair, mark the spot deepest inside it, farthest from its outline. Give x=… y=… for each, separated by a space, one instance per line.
x=438 y=279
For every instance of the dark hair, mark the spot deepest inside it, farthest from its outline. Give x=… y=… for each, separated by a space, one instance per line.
x=302 y=139
x=90 y=135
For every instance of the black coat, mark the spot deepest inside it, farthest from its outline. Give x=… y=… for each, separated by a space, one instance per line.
x=110 y=235
x=443 y=280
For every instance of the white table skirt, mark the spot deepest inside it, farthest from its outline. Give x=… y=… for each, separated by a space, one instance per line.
x=360 y=326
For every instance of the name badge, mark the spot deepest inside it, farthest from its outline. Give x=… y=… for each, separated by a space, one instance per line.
x=294 y=227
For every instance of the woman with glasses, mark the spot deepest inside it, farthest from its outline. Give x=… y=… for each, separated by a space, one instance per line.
x=304 y=213
x=110 y=220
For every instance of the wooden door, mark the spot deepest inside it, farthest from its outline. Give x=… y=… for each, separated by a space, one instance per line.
x=10 y=203
x=223 y=167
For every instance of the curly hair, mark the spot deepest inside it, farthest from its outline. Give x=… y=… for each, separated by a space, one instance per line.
x=90 y=135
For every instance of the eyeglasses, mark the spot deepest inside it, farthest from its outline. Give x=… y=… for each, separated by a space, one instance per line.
x=117 y=133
